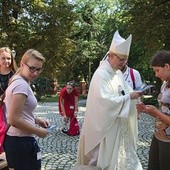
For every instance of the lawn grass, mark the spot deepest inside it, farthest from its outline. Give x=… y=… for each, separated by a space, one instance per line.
x=49 y=98
x=54 y=98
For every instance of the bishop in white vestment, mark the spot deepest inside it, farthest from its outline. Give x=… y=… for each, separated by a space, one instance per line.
x=109 y=133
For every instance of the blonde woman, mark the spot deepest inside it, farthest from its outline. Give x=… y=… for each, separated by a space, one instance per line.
x=21 y=148
x=7 y=69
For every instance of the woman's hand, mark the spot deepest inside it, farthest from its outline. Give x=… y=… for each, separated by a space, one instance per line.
x=136 y=94
x=42 y=123
x=42 y=132
x=149 y=109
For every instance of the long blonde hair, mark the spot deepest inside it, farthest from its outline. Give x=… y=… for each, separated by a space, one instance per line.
x=13 y=65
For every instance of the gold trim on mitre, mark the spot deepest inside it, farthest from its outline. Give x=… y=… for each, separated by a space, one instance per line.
x=120 y=46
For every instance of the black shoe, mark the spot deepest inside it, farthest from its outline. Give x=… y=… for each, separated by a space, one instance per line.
x=64 y=131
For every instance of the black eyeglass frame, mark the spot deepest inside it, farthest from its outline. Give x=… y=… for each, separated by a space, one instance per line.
x=34 y=69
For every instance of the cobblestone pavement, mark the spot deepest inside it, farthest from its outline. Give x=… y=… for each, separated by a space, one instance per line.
x=59 y=150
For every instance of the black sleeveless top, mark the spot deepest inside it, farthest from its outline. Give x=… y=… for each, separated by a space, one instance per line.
x=4 y=79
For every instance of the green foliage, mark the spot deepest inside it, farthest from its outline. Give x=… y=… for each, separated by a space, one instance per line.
x=90 y=36
x=43 y=25
x=43 y=87
x=151 y=101
x=75 y=35
x=148 y=21
x=50 y=98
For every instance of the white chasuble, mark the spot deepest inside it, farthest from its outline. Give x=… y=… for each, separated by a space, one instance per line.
x=110 y=122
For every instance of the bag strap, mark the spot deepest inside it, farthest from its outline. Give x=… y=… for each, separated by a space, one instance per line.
x=132 y=77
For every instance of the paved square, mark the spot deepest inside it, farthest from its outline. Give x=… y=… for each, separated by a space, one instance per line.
x=59 y=150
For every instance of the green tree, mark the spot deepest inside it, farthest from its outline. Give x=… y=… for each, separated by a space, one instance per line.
x=148 y=21
x=90 y=35
x=43 y=25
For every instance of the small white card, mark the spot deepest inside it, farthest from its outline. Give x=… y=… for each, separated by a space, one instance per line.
x=144 y=87
x=50 y=128
x=39 y=155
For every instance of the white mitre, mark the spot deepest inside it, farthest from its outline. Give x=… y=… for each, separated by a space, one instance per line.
x=120 y=46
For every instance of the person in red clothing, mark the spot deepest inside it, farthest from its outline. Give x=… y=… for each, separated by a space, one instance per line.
x=68 y=104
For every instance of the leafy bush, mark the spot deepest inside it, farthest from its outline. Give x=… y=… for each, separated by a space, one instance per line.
x=151 y=101
x=43 y=86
